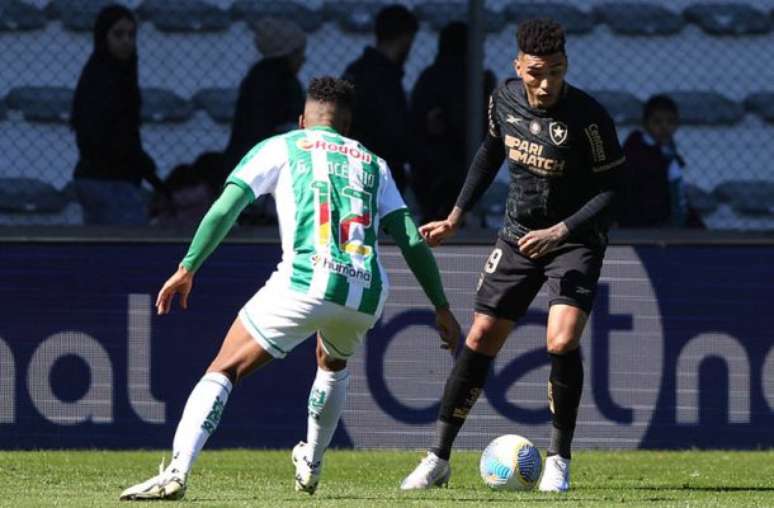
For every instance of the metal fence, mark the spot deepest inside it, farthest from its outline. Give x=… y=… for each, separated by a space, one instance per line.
x=714 y=58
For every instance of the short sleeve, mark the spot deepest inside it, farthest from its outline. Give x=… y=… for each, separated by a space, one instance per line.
x=494 y=128
x=602 y=141
x=259 y=169
x=389 y=195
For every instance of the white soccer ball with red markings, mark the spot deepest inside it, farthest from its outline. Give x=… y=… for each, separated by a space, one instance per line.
x=511 y=462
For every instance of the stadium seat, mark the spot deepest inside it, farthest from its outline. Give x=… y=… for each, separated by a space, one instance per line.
x=728 y=19
x=639 y=18
x=573 y=19
x=754 y=197
x=352 y=16
x=164 y=106
x=761 y=103
x=18 y=16
x=77 y=15
x=42 y=103
x=184 y=16
x=439 y=14
x=624 y=108
x=219 y=103
x=29 y=195
x=701 y=200
x=706 y=108
x=252 y=10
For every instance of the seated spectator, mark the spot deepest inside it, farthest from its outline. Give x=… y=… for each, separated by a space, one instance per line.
x=380 y=116
x=271 y=97
x=439 y=124
x=106 y=119
x=654 y=194
x=193 y=188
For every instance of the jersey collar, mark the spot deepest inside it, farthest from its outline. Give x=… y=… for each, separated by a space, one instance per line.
x=326 y=128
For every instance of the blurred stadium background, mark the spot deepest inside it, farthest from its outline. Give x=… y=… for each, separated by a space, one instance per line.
x=714 y=57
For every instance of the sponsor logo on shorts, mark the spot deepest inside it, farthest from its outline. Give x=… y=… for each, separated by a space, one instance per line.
x=307 y=144
x=362 y=277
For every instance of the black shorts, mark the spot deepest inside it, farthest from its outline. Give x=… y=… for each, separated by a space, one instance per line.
x=510 y=280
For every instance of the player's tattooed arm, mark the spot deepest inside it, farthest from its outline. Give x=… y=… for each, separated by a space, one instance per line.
x=540 y=242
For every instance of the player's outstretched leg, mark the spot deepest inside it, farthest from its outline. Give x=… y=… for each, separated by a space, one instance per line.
x=200 y=418
x=326 y=403
x=565 y=388
x=465 y=382
x=239 y=355
x=460 y=394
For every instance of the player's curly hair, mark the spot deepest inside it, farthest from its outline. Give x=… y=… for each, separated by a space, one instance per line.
x=332 y=90
x=540 y=37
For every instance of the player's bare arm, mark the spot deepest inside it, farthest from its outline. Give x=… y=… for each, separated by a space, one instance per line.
x=181 y=282
x=448 y=328
x=436 y=232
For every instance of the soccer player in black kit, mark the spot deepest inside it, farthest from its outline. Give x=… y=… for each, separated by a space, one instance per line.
x=564 y=161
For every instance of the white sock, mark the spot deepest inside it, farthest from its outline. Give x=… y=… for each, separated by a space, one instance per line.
x=200 y=419
x=326 y=403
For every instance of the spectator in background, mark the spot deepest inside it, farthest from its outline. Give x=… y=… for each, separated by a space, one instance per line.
x=655 y=192
x=439 y=124
x=106 y=120
x=270 y=101
x=194 y=187
x=271 y=97
x=380 y=118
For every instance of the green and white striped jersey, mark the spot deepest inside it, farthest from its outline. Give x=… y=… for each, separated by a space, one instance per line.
x=330 y=193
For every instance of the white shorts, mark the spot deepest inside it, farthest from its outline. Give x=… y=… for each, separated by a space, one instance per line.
x=281 y=319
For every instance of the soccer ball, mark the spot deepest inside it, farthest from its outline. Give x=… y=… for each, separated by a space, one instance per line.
x=511 y=462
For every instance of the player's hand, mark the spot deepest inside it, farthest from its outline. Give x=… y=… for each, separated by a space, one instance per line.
x=437 y=231
x=180 y=282
x=539 y=242
x=448 y=328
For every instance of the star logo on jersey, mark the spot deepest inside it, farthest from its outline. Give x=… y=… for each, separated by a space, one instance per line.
x=558 y=132
x=535 y=127
x=515 y=120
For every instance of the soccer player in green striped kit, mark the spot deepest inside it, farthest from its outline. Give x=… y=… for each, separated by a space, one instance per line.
x=332 y=197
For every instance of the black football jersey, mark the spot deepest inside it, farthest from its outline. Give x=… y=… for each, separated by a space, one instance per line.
x=558 y=158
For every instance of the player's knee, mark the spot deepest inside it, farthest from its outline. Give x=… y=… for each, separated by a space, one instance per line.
x=326 y=362
x=331 y=364
x=562 y=342
x=483 y=338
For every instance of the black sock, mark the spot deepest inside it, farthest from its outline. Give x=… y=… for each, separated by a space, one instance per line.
x=565 y=387
x=462 y=389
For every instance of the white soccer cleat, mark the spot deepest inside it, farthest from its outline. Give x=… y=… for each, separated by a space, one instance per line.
x=169 y=484
x=307 y=473
x=556 y=475
x=433 y=471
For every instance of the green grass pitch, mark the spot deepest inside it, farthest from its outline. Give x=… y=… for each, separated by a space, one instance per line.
x=371 y=478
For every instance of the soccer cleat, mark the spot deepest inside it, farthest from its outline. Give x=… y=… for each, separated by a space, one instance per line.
x=556 y=475
x=433 y=471
x=169 y=484
x=307 y=473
